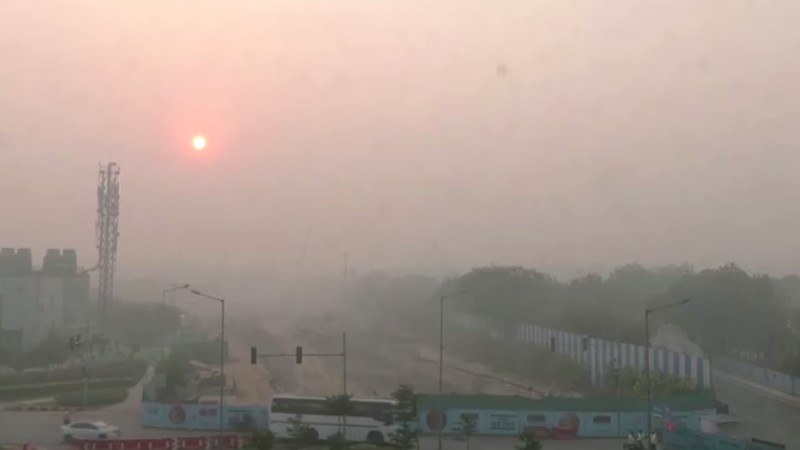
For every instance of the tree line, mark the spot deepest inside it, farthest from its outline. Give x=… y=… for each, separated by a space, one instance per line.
x=732 y=312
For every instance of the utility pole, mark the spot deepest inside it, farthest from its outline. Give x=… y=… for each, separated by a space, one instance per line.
x=107 y=230
x=442 y=298
x=344 y=363
x=221 y=361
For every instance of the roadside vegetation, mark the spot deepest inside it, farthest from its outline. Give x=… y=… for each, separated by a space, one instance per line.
x=630 y=382
x=732 y=313
x=95 y=397
x=407 y=434
x=110 y=362
x=65 y=383
x=549 y=368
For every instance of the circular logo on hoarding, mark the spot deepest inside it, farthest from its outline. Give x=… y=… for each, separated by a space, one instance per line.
x=177 y=414
x=436 y=420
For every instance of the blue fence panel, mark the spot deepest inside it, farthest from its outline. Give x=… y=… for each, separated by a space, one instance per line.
x=201 y=417
x=751 y=372
x=632 y=422
x=501 y=422
x=730 y=443
x=530 y=421
x=601 y=354
x=599 y=424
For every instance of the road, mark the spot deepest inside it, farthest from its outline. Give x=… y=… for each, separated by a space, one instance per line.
x=508 y=443
x=42 y=429
x=763 y=416
x=378 y=360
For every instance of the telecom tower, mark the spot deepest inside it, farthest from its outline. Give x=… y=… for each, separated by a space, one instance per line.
x=107 y=234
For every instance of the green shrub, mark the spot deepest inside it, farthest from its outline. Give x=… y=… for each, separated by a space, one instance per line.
x=541 y=364
x=25 y=391
x=133 y=369
x=94 y=397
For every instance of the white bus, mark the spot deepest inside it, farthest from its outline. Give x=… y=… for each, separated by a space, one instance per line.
x=370 y=421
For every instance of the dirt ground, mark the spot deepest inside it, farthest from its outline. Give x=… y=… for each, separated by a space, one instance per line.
x=379 y=358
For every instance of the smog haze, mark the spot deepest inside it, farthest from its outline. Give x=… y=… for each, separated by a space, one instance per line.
x=413 y=136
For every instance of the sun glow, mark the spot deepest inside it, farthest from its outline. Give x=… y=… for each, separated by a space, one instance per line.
x=199 y=143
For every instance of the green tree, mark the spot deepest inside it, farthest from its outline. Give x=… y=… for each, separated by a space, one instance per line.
x=338 y=442
x=176 y=370
x=469 y=424
x=54 y=349
x=341 y=406
x=405 y=437
x=301 y=434
x=260 y=440
x=633 y=382
x=406 y=398
x=529 y=441
x=753 y=313
x=506 y=294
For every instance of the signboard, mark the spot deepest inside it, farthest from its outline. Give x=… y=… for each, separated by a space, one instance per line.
x=201 y=417
x=503 y=423
x=632 y=422
x=660 y=411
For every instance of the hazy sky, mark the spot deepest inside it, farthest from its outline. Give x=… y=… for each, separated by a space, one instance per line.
x=559 y=133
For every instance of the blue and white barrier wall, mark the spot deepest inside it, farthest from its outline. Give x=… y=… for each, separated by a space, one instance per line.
x=598 y=355
x=563 y=424
x=770 y=378
x=201 y=417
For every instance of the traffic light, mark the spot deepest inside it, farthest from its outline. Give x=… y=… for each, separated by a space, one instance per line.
x=585 y=343
x=298 y=355
x=75 y=342
x=253 y=355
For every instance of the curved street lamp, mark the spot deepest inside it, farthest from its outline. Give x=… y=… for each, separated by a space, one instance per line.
x=221 y=358
x=647 y=313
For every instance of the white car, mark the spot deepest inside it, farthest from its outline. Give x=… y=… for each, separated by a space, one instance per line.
x=89 y=430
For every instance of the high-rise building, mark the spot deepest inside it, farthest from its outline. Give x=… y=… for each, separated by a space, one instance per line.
x=37 y=301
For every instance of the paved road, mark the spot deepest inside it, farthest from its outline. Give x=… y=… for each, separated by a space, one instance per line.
x=42 y=429
x=508 y=443
x=763 y=416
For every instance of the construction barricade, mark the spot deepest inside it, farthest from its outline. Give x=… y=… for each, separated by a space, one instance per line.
x=180 y=443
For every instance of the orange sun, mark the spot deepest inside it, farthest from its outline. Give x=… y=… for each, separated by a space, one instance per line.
x=199 y=143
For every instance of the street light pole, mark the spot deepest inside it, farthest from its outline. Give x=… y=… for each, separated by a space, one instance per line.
x=163 y=303
x=171 y=290
x=648 y=381
x=221 y=361
x=441 y=342
x=442 y=298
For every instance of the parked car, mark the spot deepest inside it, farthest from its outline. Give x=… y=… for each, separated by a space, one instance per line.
x=89 y=430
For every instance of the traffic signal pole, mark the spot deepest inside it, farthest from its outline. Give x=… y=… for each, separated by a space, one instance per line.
x=299 y=355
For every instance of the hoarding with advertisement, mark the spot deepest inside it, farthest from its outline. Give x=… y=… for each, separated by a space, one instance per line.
x=503 y=423
x=202 y=417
